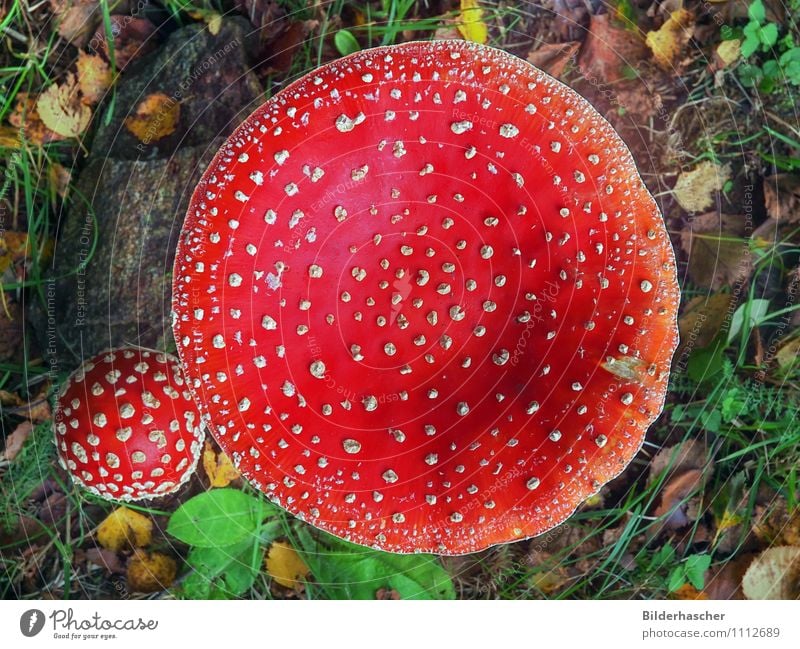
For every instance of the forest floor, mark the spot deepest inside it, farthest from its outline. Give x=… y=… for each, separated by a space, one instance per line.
x=704 y=93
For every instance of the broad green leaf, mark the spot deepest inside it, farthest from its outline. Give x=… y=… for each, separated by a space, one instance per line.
x=346 y=43
x=768 y=35
x=222 y=572
x=759 y=309
x=696 y=566
x=756 y=11
x=216 y=518
x=346 y=571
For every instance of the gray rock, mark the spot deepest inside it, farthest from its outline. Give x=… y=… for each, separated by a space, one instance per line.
x=111 y=279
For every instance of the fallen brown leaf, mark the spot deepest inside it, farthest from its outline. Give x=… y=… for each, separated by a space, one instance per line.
x=11 y=332
x=607 y=50
x=133 y=37
x=782 y=197
x=76 y=19
x=25 y=117
x=554 y=57
x=702 y=318
x=94 y=77
x=776 y=525
x=725 y=582
x=688 y=592
x=106 y=559
x=155 y=117
x=674 y=499
x=718 y=252
x=16 y=440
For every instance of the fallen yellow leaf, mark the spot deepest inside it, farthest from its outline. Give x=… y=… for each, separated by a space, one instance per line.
x=471 y=23
x=61 y=110
x=156 y=117
x=219 y=468
x=151 y=572
x=669 y=40
x=728 y=51
x=94 y=77
x=695 y=189
x=124 y=528
x=285 y=566
x=28 y=122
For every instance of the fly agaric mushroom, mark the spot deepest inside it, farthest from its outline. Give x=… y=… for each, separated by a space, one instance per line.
x=126 y=428
x=425 y=299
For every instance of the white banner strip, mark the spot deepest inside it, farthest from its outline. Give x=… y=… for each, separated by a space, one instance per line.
x=398 y=625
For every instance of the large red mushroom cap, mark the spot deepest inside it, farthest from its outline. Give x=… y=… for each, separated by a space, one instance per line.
x=426 y=300
x=126 y=427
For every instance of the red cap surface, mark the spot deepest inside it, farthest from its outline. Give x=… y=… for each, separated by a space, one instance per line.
x=126 y=427
x=426 y=300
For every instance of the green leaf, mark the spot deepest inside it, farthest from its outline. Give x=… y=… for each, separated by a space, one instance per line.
x=677 y=578
x=216 y=518
x=345 y=42
x=696 y=566
x=347 y=571
x=707 y=362
x=222 y=572
x=756 y=11
x=758 y=311
x=751 y=40
x=768 y=35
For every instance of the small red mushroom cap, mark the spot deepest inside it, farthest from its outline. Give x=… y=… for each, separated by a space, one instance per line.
x=126 y=427
x=425 y=299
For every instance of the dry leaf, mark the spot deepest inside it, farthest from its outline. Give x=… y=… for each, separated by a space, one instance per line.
x=688 y=592
x=61 y=110
x=94 y=77
x=674 y=504
x=25 y=117
x=778 y=525
x=218 y=466
x=774 y=574
x=76 y=19
x=106 y=559
x=725 y=582
x=60 y=178
x=214 y=22
x=124 y=528
x=285 y=566
x=702 y=318
x=16 y=440
x=718 y=252
x=470 y=22
x=155 y=118
x=150 y=572
x=684 y=456
x=607 y=50
x=11 y=332
x=695 y=189
x=133 y=37
x=553 y=57
x=782 y=197
x=667 y=43
x=728 y=51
